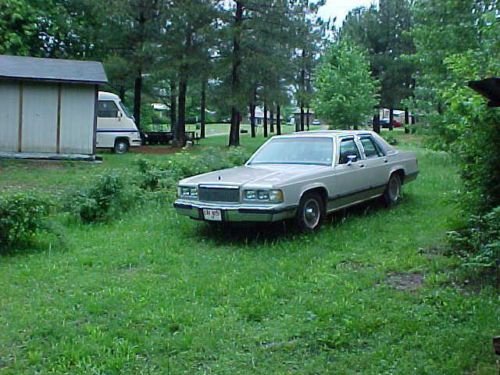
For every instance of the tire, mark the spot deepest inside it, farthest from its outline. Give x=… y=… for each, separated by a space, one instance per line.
x=121 y=146
x=392 y=193
x=310 y=213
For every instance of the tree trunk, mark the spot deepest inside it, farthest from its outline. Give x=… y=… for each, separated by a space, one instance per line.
x=391 y=118
x=122 y=93
x=180 y=133
x=278 y=119
x=307 y=117
x=407 y=121
x=203 y=108
x=376 y=123
x=302 y=113
x=234 y=134
x=253 y=105
x=137 y=99
x=265 y=120
x=271 y=117
x=173 y=107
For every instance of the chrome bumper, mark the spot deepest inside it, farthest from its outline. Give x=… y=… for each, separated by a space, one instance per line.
x=236 y=212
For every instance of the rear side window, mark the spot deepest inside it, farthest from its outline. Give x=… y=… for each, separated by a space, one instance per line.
x=107 y=108
x=372 y=150
x=348 y=147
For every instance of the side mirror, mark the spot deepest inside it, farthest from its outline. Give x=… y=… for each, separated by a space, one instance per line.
x=119 y=114
x=351 y=159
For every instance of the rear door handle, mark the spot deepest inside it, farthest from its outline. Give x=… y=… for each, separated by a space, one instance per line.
x=361 y=165
x=385 y=160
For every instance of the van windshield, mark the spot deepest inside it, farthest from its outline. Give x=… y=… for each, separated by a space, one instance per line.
x=125 y=110
x=296 y=150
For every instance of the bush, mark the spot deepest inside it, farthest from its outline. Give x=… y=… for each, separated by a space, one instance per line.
x=165 y=175
x=110 y=195
x=22 y=215
x=478 y=244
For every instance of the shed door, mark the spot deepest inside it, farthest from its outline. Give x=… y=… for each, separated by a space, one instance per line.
x=39 y=130
x=77 y=119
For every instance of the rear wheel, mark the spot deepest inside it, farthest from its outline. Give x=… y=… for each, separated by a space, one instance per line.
x=121 y=146
x=392 y=193
x=310 y=213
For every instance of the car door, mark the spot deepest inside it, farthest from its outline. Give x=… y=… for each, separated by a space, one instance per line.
x=375 y=162
x=350 y=182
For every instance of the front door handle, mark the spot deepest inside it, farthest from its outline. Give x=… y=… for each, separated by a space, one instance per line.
x=361 y=165
x=385 y=160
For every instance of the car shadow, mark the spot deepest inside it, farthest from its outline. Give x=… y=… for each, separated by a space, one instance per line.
x=261 y=233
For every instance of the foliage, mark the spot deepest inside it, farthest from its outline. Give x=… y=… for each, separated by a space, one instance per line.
x=22 y=215
x=109 y=196
x=384 y=32
x=478 y=243
x=19 y=29
x=346 y=92
x=465 y=125
x=164 y=175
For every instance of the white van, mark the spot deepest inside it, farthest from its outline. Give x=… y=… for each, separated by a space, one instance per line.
x=115 y=126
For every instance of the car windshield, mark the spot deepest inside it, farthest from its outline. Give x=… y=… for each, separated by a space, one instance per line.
x=296 y=150
x=125 y=110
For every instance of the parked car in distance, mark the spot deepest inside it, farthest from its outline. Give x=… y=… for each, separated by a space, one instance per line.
x=116 y=128
x=385 y=123
x=316 y=122
x=301 y=176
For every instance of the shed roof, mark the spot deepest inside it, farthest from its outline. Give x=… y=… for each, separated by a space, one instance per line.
x=52 y=70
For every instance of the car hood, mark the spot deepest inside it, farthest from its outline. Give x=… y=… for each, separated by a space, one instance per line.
x=266 y=175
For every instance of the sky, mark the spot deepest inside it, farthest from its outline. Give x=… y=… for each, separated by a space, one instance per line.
x=340 y=8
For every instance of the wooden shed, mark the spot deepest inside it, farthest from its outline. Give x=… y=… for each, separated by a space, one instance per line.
x=48 y=106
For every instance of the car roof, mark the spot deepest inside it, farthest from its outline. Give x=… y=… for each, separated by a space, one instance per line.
x=326 y=133
x=335 y=134
x=104 y=95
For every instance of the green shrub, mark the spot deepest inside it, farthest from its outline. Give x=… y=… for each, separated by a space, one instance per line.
x=22 y=215
x=165 y=175
x=111 y=195
x=478 y=244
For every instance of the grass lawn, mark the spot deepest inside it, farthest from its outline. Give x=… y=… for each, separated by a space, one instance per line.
x=156 y=293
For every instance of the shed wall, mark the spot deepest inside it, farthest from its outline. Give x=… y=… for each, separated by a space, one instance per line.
x=47 y=117
x=9 y=116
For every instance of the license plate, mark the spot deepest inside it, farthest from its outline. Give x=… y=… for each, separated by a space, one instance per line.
x=212 y=215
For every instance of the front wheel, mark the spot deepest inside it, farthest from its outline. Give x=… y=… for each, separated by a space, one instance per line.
x=310 y=213
x=121 y=146
x=392 y=193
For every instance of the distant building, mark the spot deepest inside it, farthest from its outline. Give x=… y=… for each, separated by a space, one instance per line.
x=259 y=116
x=296 y=116
x=48 y=106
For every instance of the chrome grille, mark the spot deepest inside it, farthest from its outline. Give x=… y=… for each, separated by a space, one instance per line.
x=218 y=194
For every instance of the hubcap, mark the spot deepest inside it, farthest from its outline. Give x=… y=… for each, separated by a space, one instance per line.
x=312 y=213
x=122 y=147
x=394 y=189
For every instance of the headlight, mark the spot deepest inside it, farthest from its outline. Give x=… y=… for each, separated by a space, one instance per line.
x=188 y=192
x=272 y=196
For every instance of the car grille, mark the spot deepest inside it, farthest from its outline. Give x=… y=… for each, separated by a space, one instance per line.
x=218 y=194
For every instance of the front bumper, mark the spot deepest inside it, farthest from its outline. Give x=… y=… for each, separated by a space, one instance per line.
x=236 y=212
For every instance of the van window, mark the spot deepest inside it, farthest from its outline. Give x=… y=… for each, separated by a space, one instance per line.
x=371 y=148
x=107 y=108
x=348 y=147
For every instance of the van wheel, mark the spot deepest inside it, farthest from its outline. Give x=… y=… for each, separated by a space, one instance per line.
x=121 y=146
x=392 y=193
x=310 y=213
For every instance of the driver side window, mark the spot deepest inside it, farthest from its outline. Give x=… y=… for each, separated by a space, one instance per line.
x=348 y=147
